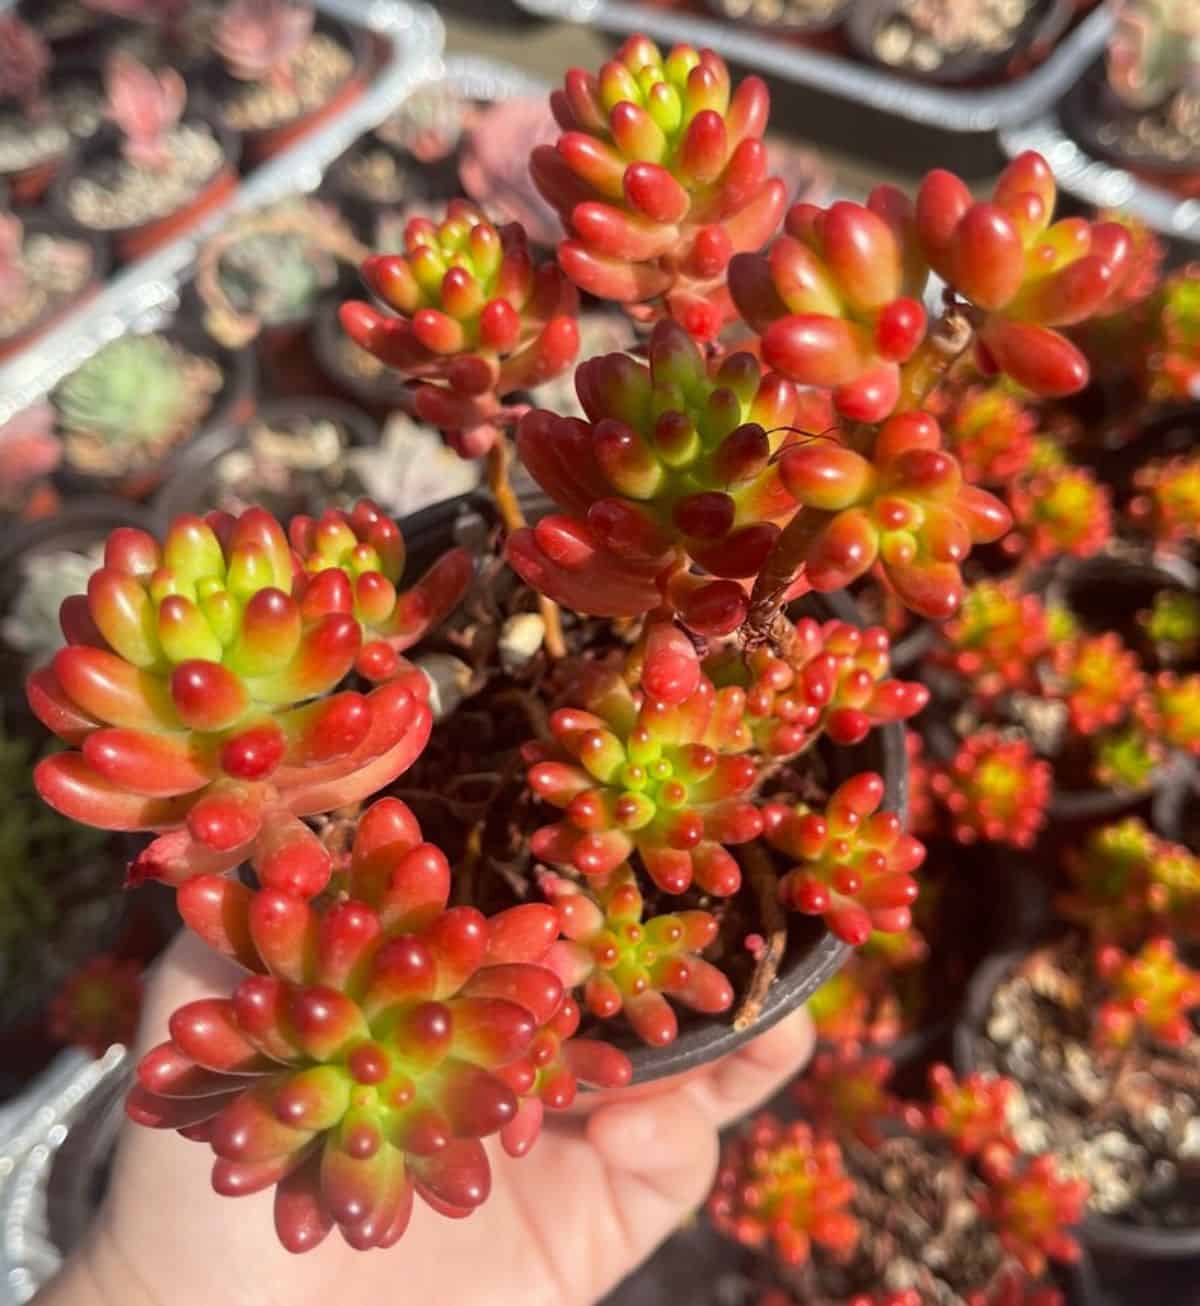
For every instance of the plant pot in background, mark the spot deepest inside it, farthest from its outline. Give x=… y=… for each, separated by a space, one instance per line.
x=136 y=240
x=263 y=143
x=813 y=954
x=231 y=405
x=192 y=486
x=1137 y=1264
x=787 y=19
x=1093 y=115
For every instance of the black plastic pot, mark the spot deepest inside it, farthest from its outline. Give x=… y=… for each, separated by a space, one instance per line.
x=813 y=954
x=233 y=405
x=1130 y=1258
x=188 y=487
x=381 y=396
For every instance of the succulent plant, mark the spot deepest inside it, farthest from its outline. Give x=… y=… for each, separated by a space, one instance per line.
x=837 y=300
x=1154 y=51
x=671 y=467
x=1172 y=364
x=906 y=507
x=782 y=1187
x=1127 y=883
x=990 y=431
x=629 y=964
x=137 y=392
x=477 y=320
x=428 y=124
x=193 y=686
x=854 y=863
x=1166 y=504
x=1012 y=1287
x=1033 y=1208
x=1098 y=678
x=24 y=64
x=828 y=679
x=145 y=105
x=660 y=177
x=1172 y=623
x=1152 y=992
x=1127 y=758
x=845 y=1093
x=1063 y=510
x=355 y=1066
x=633 y=773
x=994 y=788
x=865 y=1002
x=258 y=39
x=973 y=1113
x=1169 y=711
x=994 y=642
x=99 y=1005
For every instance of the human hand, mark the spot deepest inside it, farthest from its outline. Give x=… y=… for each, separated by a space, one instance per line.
x=562 y=1226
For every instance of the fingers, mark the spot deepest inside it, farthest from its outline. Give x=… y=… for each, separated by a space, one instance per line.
x=662 y=1152
x=745 y=1079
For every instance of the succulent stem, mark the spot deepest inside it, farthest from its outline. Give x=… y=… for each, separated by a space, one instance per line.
x=948 y=339
x=765 y=883
x=499 y=460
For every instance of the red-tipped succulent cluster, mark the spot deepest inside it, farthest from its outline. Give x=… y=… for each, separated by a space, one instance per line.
x=1167 y=501
x=660 y=177
x=990 y=431
x=673 y=465
x=362 y=1059
x=624 y=962
x=846 y=1093
x=633 y=773
x=197 y=688
x=1059 y=511
x=995 y=789
x=829 y=679
x=1152 y=992
x=1098 y=678
x=973 y=1113
x=1023 y=275
x=1169 y=711
x=854 y=864
x=994 y=641
x=472 y=320
x=781 y=1186
x=837 y=300
x=1034 y=1208
x=901 y=503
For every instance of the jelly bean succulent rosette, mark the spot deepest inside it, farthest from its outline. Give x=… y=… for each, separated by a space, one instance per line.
x=487 y=830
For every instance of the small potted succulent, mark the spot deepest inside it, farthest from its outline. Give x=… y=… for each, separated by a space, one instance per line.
x=44 y=274
x=874 y=1201
x=262 y=276
x=292 y=458
x=281 y=71
x=956 y=41
x=1142 y=108
x=639 y=735
x=155 y=173
x=1110 y=1001
x=134 y=403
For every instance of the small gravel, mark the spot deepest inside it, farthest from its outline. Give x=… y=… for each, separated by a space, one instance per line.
x=923 y=34
x=316 y=73
x=378 y=176
x=114 y=193
x=55 y=269
x=1126 y=1125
